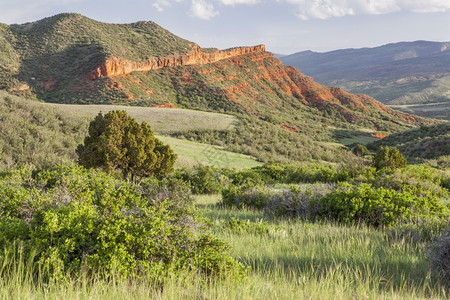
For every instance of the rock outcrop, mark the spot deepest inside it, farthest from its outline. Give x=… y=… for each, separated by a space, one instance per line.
x=114 y=66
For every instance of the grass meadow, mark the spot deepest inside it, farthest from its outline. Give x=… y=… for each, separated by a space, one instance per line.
x=162 y=120
x=292 y=259
x=193 y=153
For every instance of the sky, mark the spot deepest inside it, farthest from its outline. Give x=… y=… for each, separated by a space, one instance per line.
x=284 y=26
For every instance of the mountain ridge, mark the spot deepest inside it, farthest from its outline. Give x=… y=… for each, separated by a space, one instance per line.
x=114 y=66
x=62 y=59
x=397 y=73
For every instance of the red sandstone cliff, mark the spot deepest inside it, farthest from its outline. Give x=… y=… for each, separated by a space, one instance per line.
x=114 y=66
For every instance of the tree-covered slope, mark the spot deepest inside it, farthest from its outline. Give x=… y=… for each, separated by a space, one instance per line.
x=56 y=52
x=427 y=142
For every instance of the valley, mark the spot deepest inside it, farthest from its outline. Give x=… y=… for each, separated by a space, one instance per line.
x=136 y=164
x=406 y=73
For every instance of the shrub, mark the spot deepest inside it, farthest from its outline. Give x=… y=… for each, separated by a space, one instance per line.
x=360 y=150
x=439 y=256
x=249 y=195
x=204 y=179
x=377 y=207
x=388 y=158
x=284 y=173
x=297 y=201
x=74 y=219
x=420 y=180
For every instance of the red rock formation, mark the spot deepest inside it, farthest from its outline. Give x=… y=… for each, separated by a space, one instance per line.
x=114 y=66
x=379 y=135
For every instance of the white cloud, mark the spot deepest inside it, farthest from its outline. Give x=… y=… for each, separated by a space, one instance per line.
x=234 y=2
x=160 y=5
x=202 y=10
x=21 y=11
x=323 y=9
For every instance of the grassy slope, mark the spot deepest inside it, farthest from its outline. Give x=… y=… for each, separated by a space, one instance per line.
x=162 y=120
x=43 y=134
x=191 y=153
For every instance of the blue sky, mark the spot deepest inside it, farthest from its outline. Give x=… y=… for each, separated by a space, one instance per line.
x=284 y=26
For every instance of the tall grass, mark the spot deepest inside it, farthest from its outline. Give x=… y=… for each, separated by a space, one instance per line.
x=293 y=260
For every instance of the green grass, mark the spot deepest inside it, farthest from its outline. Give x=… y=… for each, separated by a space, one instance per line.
x=162 y=120
x=193 y=153
x=363 y=140
x=44 y=134
x=301 y=259
x=292 y=260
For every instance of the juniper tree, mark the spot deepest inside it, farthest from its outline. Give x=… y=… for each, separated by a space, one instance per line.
x=117 y=142
x=388 y=158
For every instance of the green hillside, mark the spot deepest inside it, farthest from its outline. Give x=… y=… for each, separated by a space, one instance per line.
x=57 y=51
x=427 y=142
x=283 y=115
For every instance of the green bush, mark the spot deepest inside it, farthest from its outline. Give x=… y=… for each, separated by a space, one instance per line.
x=204 y=179
x=418 y=180
x=388 y=158
x=360 y=150
x=117 y=142
x=377 y=207
x=271 y=173
x=70 y=219
x=297 y=202
x=249 y=195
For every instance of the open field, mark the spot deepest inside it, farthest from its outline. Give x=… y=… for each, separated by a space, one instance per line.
x=162 y=120
x=193 y=153
x=439 y=110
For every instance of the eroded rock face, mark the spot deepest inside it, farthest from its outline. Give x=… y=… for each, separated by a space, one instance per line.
x=114 y=66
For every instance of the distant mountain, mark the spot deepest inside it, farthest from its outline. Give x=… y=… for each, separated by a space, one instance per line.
x=69 y=58
x=400 y=73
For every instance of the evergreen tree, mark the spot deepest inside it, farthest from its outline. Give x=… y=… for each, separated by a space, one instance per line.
x=388 y=158
x=117 y=142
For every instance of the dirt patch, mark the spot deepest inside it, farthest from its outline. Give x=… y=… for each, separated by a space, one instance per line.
x=167 y=105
